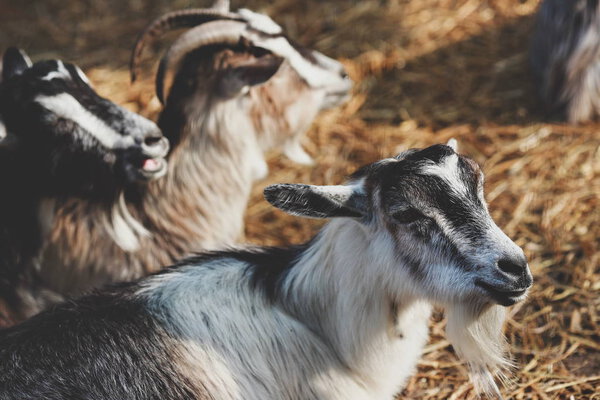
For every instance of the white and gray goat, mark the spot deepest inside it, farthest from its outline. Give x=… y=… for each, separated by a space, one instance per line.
x=344 y=316
x=234 y=87
x=58 y=140
x=565 y=58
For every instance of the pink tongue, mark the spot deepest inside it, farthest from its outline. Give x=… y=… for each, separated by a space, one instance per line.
x=151 y=164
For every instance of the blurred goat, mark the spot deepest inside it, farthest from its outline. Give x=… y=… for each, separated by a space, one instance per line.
x=233 y=86
x=59 y=139
x=565 y=58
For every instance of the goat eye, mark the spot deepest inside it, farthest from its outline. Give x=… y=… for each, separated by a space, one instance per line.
x=408 y=216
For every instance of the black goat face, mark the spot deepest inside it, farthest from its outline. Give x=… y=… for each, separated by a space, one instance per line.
x=58 y=123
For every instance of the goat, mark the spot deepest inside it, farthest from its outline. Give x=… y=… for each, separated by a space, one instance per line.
x=234 y=87
x=60 y=139
x=565 y=58
x=344 y=316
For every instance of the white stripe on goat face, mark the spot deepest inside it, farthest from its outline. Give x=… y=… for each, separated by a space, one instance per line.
x=449 y=171
x=66 y=106
x=61 y=72
x=493 y=242
x=316 y=76
x=313 y=75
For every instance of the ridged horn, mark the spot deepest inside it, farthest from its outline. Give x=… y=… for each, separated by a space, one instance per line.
x=171 y=21
x=217 y=32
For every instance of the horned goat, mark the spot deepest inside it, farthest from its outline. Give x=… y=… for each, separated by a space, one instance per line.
x=233 y=87
x=344 y=316
x=565 y=58
x=59 y=139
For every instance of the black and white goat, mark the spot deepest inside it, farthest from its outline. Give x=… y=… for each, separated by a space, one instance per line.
x=59 y=139
x=344 y=316
x=234 y=87
x=565 y=58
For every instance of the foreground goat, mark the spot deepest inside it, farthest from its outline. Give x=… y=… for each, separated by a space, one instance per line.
x=565 y=57
x=59 y=139
x=344 y=316
x=234 y=87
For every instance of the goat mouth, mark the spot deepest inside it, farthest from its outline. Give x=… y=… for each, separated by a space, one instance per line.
x=334 y=99
x=503 y=295
x=153 y=168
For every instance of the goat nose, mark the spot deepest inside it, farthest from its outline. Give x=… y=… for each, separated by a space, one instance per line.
x=155 y=144
x=515 y=267
x=152 y=140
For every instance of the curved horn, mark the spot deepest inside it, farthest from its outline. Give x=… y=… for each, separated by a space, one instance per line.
x=217 y=32
x=171 y=21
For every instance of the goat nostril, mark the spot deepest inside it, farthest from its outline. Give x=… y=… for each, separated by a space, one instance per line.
x=152 y=140
x=511 y=268
x=344 y=74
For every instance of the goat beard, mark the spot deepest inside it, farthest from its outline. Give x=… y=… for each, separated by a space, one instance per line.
x=475 y=332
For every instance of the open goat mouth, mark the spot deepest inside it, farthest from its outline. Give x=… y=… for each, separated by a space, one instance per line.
x=150 y=162
x=334 y=99
x=504 y=296
x=152 y=168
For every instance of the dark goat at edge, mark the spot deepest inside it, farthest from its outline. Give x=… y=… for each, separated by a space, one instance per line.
x=565 y=59
x=59 y=140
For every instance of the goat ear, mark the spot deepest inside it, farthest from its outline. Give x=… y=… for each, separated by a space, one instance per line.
x=318 y=201
x=453 y=144
x=82 y=76
x=14 y=62
x=239 y=78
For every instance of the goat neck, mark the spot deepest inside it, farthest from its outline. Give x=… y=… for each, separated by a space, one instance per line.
x=365 y=321
x=211 y=174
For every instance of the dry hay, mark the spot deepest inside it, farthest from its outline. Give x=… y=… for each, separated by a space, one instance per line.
x=426 y=70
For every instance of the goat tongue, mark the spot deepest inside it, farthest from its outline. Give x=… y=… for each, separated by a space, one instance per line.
x=151 y=164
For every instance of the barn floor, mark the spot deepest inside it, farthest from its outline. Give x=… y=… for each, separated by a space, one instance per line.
x=425 y=71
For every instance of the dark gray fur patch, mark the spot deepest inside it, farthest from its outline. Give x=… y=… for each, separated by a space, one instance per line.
x=267 y=266
x=103 y=346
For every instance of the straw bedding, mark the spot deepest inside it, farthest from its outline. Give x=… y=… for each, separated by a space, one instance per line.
x=425 y=71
